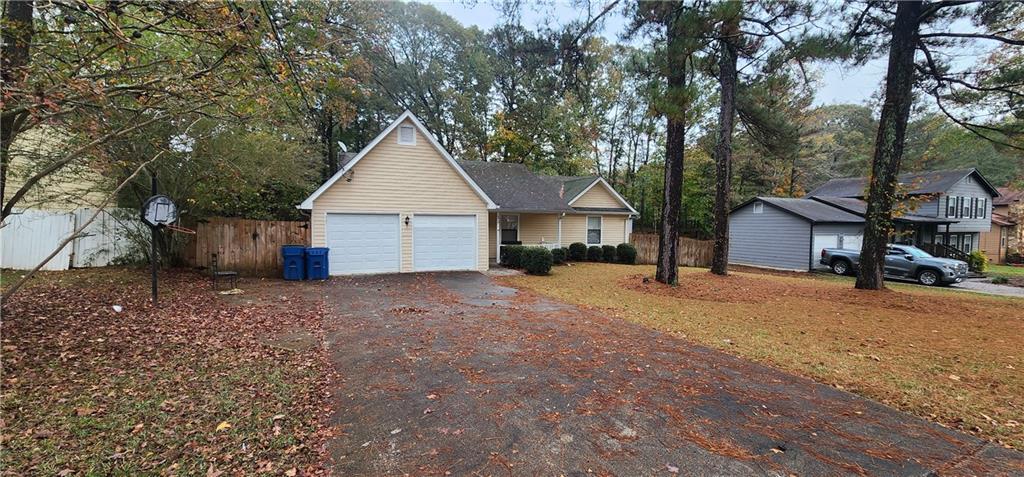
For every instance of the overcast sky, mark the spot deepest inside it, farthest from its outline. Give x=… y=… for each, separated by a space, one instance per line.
x=838 y=84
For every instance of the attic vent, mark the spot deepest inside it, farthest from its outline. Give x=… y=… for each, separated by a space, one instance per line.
x=407 y=135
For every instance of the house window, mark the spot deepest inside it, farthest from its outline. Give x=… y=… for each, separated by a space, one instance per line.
x=406 y=135
x=965 y=207
x=509 y=229
x=983 y=208
x=968 y=243
x=593 y=230
x=950 y=206
x=758 y=207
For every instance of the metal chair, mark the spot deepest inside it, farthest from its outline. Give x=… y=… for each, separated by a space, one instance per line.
x=217 y=274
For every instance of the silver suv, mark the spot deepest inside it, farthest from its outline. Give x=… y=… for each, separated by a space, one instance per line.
x=901 y=261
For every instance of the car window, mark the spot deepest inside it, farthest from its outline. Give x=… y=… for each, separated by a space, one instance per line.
x=918 y=252
x=896 y=251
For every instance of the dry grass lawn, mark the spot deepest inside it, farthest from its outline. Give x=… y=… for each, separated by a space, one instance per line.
x=953 y=357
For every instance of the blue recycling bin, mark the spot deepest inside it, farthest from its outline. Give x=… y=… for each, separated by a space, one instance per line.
x=294 y=262
x=316 y=263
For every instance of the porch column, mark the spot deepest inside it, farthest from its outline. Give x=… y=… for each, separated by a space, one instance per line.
x=497 y=237
x=560 y=216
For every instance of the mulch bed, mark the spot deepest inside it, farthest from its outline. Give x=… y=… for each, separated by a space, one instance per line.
x=195 y=386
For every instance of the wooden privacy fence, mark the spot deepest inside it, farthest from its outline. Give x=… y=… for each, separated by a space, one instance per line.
x=247 y=246
x=692 y=252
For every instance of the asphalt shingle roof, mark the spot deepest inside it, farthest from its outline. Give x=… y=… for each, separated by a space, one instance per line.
x=573 y=185
x=1008 y=196
x=859 y=207
x=514 y=188
x=812 y=210
x=932 y=182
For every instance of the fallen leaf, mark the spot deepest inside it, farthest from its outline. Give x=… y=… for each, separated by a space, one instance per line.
x=223 y=426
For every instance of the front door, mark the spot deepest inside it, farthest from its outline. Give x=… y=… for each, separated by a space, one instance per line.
x=896 y=262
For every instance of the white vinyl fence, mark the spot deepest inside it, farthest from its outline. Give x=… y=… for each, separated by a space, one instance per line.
x=30 y=235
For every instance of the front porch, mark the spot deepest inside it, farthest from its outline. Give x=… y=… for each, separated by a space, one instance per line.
x=554 y=230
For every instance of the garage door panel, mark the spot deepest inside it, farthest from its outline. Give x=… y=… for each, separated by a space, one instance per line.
x=444 y=242
x=822 y=241
x=363 y=243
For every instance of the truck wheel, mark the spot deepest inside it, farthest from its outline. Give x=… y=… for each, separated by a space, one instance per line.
x=840 y=267
x=928 y=278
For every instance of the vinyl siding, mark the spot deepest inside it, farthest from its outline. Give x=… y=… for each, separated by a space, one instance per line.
x=597 y=196
x=405 y=180
x=613 y=229
x=538 y=228
x=969 y=189
x=936 y=207
x=774 y=239
x=74 y=186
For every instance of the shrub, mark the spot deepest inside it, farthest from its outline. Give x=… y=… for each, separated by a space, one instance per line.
x=537 y=260
x=626 y=253
x=577 y=252
x=512 y=256
x=608 y=253
x=1016 y=258
x=977 y=261
x=594 y=253
x=1000 y=280
x=558 y=255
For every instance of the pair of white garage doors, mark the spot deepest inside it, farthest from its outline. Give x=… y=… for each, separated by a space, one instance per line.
x=372 y=243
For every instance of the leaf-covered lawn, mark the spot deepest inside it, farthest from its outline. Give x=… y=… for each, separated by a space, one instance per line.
x=202 y=385
x=949 y=356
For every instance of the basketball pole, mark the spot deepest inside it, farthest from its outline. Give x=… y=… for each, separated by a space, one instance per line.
x=152 y=253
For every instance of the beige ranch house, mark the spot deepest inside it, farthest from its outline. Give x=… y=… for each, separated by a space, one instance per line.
x=403 y=204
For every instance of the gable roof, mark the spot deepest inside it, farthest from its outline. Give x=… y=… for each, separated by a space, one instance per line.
x=514 y=188
x=1008 y=196
x=570 y=186
x=932 y=182
x=811 y=210
x=407 y=115
x=859 y=207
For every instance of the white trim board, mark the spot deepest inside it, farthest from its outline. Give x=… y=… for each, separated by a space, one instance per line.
x=600 y=180
x=407 y=115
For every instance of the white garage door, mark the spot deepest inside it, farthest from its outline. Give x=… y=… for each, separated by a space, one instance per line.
x=444 y=242
x=363 y=243
x=822 y=241
x=853 y=242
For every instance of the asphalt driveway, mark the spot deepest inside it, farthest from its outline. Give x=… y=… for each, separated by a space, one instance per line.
x=452 y=374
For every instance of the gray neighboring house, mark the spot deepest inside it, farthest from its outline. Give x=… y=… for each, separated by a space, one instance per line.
x=950 y=210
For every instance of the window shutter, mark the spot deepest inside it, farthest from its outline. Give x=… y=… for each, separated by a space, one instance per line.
x=984 y=207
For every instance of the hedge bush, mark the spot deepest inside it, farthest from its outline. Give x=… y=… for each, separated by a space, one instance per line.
x=577 y=252
x=512 y=256
x=594 y=253
x=978 y=261
x=608 y=253
x=537 y=260
x=626 y=253
x=558 y=255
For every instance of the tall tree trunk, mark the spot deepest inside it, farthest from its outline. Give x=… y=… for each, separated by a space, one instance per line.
x=727 y=78
x=675 y=144
x=14 y=57
x=892 y=128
